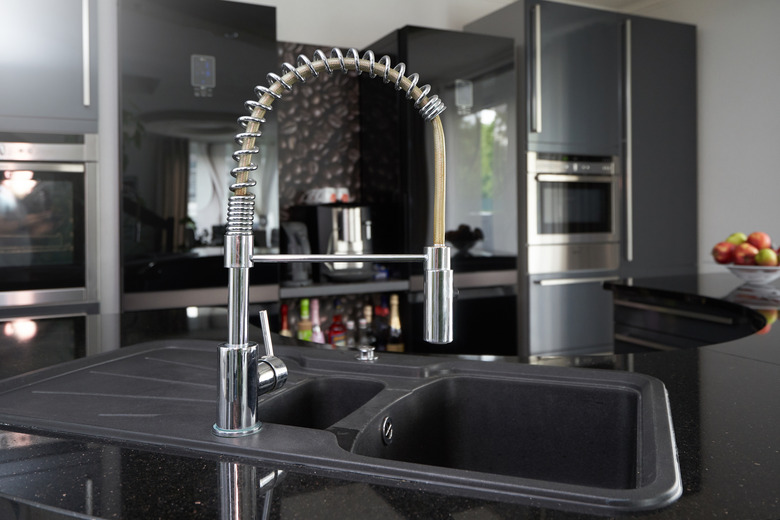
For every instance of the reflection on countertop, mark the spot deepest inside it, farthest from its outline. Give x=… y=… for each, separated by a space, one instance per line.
x=723 y=400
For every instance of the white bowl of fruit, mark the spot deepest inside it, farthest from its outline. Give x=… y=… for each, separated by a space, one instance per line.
x=750 y=257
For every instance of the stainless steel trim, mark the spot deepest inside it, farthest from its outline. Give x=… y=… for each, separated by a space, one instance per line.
x=645 y=343
x=76 y=152
x=723 y=320
x=42 y=297
x=194 y=297
x=536 y=124
x=85 y=63
x=573 y=281
x=629 y=148
x=559 y=177
x=49 y=167
x=92 y=223
x=572 y=257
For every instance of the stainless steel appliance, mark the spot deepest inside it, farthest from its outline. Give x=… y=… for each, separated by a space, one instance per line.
x=350 y=235
x=573 y=247
x=48 y=224
x=340 y=229
x=572 y=216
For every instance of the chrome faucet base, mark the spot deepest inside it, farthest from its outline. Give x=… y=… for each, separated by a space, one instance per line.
x=222 y=432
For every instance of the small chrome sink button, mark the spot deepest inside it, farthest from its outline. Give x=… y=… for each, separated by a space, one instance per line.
x=366 y=353
x=387 y=430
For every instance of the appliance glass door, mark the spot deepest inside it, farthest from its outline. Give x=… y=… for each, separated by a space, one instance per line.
x=42 y=232
x=574 y=207
x=564 y=208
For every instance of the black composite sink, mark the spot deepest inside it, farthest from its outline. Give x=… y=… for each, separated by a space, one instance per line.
x=529 y=429
x=564 y=438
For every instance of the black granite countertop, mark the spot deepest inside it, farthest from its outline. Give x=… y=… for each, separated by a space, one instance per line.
x=723 y=399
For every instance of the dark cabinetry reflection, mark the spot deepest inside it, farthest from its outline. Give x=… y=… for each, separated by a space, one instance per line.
x=187 y=66
x=475 y=77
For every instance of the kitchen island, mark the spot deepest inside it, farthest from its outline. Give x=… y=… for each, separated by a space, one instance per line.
x=724 y=406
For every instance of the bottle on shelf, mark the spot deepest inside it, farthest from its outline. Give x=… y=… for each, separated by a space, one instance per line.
x=285 y=330
x=304 y=324
x=368 y=315
x=395 y=341
x=363 y=334
x=351 y=333
x=337 y=333
x=381 y=324
x=317 y=336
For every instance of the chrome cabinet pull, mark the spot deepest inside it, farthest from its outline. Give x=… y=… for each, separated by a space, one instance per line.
x=629 y=149
x=536 y=123
x=86 y=84
x=572 y=281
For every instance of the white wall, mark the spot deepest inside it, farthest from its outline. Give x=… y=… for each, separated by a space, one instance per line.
x=346 y=23
x=739 y=115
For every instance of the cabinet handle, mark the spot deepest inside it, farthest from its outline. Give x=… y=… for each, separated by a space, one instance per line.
x=536 y=123
x=572 y=281
x=86 y=86
x=629 y=149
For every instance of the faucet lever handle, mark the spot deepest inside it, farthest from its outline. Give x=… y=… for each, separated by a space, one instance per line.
x=271 y=371
x=268 y=346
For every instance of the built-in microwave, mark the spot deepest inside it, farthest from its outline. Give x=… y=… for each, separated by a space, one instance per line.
x=572 y=212
x=47 y=229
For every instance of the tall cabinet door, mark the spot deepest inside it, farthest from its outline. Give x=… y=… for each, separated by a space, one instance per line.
x=660 y=148
x=48 y=58
x=573 y=63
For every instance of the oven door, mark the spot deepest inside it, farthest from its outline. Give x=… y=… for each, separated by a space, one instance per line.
x=42 y=226
x=569 y=208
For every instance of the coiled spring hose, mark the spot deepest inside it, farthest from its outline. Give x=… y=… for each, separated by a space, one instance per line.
x=241 y=203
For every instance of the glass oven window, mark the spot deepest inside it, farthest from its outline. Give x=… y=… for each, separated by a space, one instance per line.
x=574 y=207
x=41 y=227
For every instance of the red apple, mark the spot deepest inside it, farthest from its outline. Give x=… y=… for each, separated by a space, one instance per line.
x=760 y=239
x=766 y=256
x=723 y=252
x=745 y=254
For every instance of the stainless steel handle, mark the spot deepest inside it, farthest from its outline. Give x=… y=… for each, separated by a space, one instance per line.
x=562 y=177
x=536 y=122
x=86 y=84
x=629 y=149
x=572 y=281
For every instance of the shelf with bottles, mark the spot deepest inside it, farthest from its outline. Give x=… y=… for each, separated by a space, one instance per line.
x=346 y=321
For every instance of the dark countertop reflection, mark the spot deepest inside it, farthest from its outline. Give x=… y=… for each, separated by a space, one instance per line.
x=723 y=399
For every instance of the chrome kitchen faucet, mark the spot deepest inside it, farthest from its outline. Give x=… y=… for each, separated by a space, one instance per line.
x=243 y=372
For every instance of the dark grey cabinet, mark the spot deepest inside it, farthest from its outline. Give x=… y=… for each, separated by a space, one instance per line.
x=49 y=62
x=660 y=161
x=571 y=84
x=573 y=79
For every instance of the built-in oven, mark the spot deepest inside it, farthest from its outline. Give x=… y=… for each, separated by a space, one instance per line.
x=572 y=212
x=47 y=226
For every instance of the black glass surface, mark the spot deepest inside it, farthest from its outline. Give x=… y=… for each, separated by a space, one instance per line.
x=186 y=69
x=574 y=207
x=41 y=228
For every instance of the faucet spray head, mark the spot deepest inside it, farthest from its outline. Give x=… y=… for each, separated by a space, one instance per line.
x=439 y=295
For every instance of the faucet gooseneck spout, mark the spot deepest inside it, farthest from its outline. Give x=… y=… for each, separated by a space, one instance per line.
x=239 y=358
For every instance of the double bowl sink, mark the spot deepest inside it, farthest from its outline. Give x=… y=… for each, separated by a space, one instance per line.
x=573 y=439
